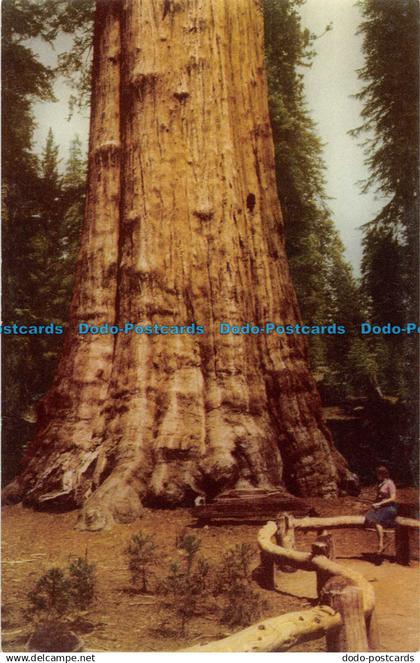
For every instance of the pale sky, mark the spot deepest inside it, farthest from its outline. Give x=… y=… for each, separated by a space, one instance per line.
x=329 y=84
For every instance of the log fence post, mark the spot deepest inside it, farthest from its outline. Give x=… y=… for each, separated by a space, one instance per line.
x=372 y=630
x=266 y=570
x=402 y=544
x=285 y=537
x=347 y=599
x=324 y=545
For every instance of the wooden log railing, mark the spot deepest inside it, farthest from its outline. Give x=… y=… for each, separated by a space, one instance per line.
x=346 y=614
x=309 y=523
x=309 y=562
x=402 y=530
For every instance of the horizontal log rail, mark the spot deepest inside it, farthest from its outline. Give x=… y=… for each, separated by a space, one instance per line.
x=346 y=614
x=319 y=563
x=408 y=522
x=338 y=522
x=278 y=633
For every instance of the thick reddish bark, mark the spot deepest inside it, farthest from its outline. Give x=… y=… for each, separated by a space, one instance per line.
x=182 y=225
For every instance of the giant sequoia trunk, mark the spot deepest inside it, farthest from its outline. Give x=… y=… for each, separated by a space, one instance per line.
x=182 y=224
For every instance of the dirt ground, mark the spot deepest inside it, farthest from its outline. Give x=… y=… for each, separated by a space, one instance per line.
x=123 y=621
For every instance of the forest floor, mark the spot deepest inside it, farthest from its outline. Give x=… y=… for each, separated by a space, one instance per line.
x=125 y=621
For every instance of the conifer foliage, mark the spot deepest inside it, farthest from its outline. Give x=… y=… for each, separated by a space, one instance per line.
x=324 y=282
x=390 y=133
x=42 y=205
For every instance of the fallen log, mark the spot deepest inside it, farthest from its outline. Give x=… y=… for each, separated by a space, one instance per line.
x=254 y=506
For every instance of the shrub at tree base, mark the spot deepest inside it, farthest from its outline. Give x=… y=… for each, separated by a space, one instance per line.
x=186 y=586
x=56 y=597
x=50 y=599
x=141 y=555
x=242 y=604
x=82 y=583
x=184 y=592
x=192 y=586
x=54 y=636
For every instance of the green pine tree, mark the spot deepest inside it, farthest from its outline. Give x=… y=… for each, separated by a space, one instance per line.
x=390 y=129
x=326 y=288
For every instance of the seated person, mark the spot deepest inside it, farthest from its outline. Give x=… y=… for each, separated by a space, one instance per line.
x=384 y=509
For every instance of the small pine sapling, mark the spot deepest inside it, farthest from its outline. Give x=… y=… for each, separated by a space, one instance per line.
x=185 y=586
x=82 y=583
x=56 y=597
x=51 y=597
x=242 y=603
x=183 y=590
x=189 y=545
x=141 y=555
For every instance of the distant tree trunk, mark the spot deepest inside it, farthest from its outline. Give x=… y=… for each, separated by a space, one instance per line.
x=182 y=225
